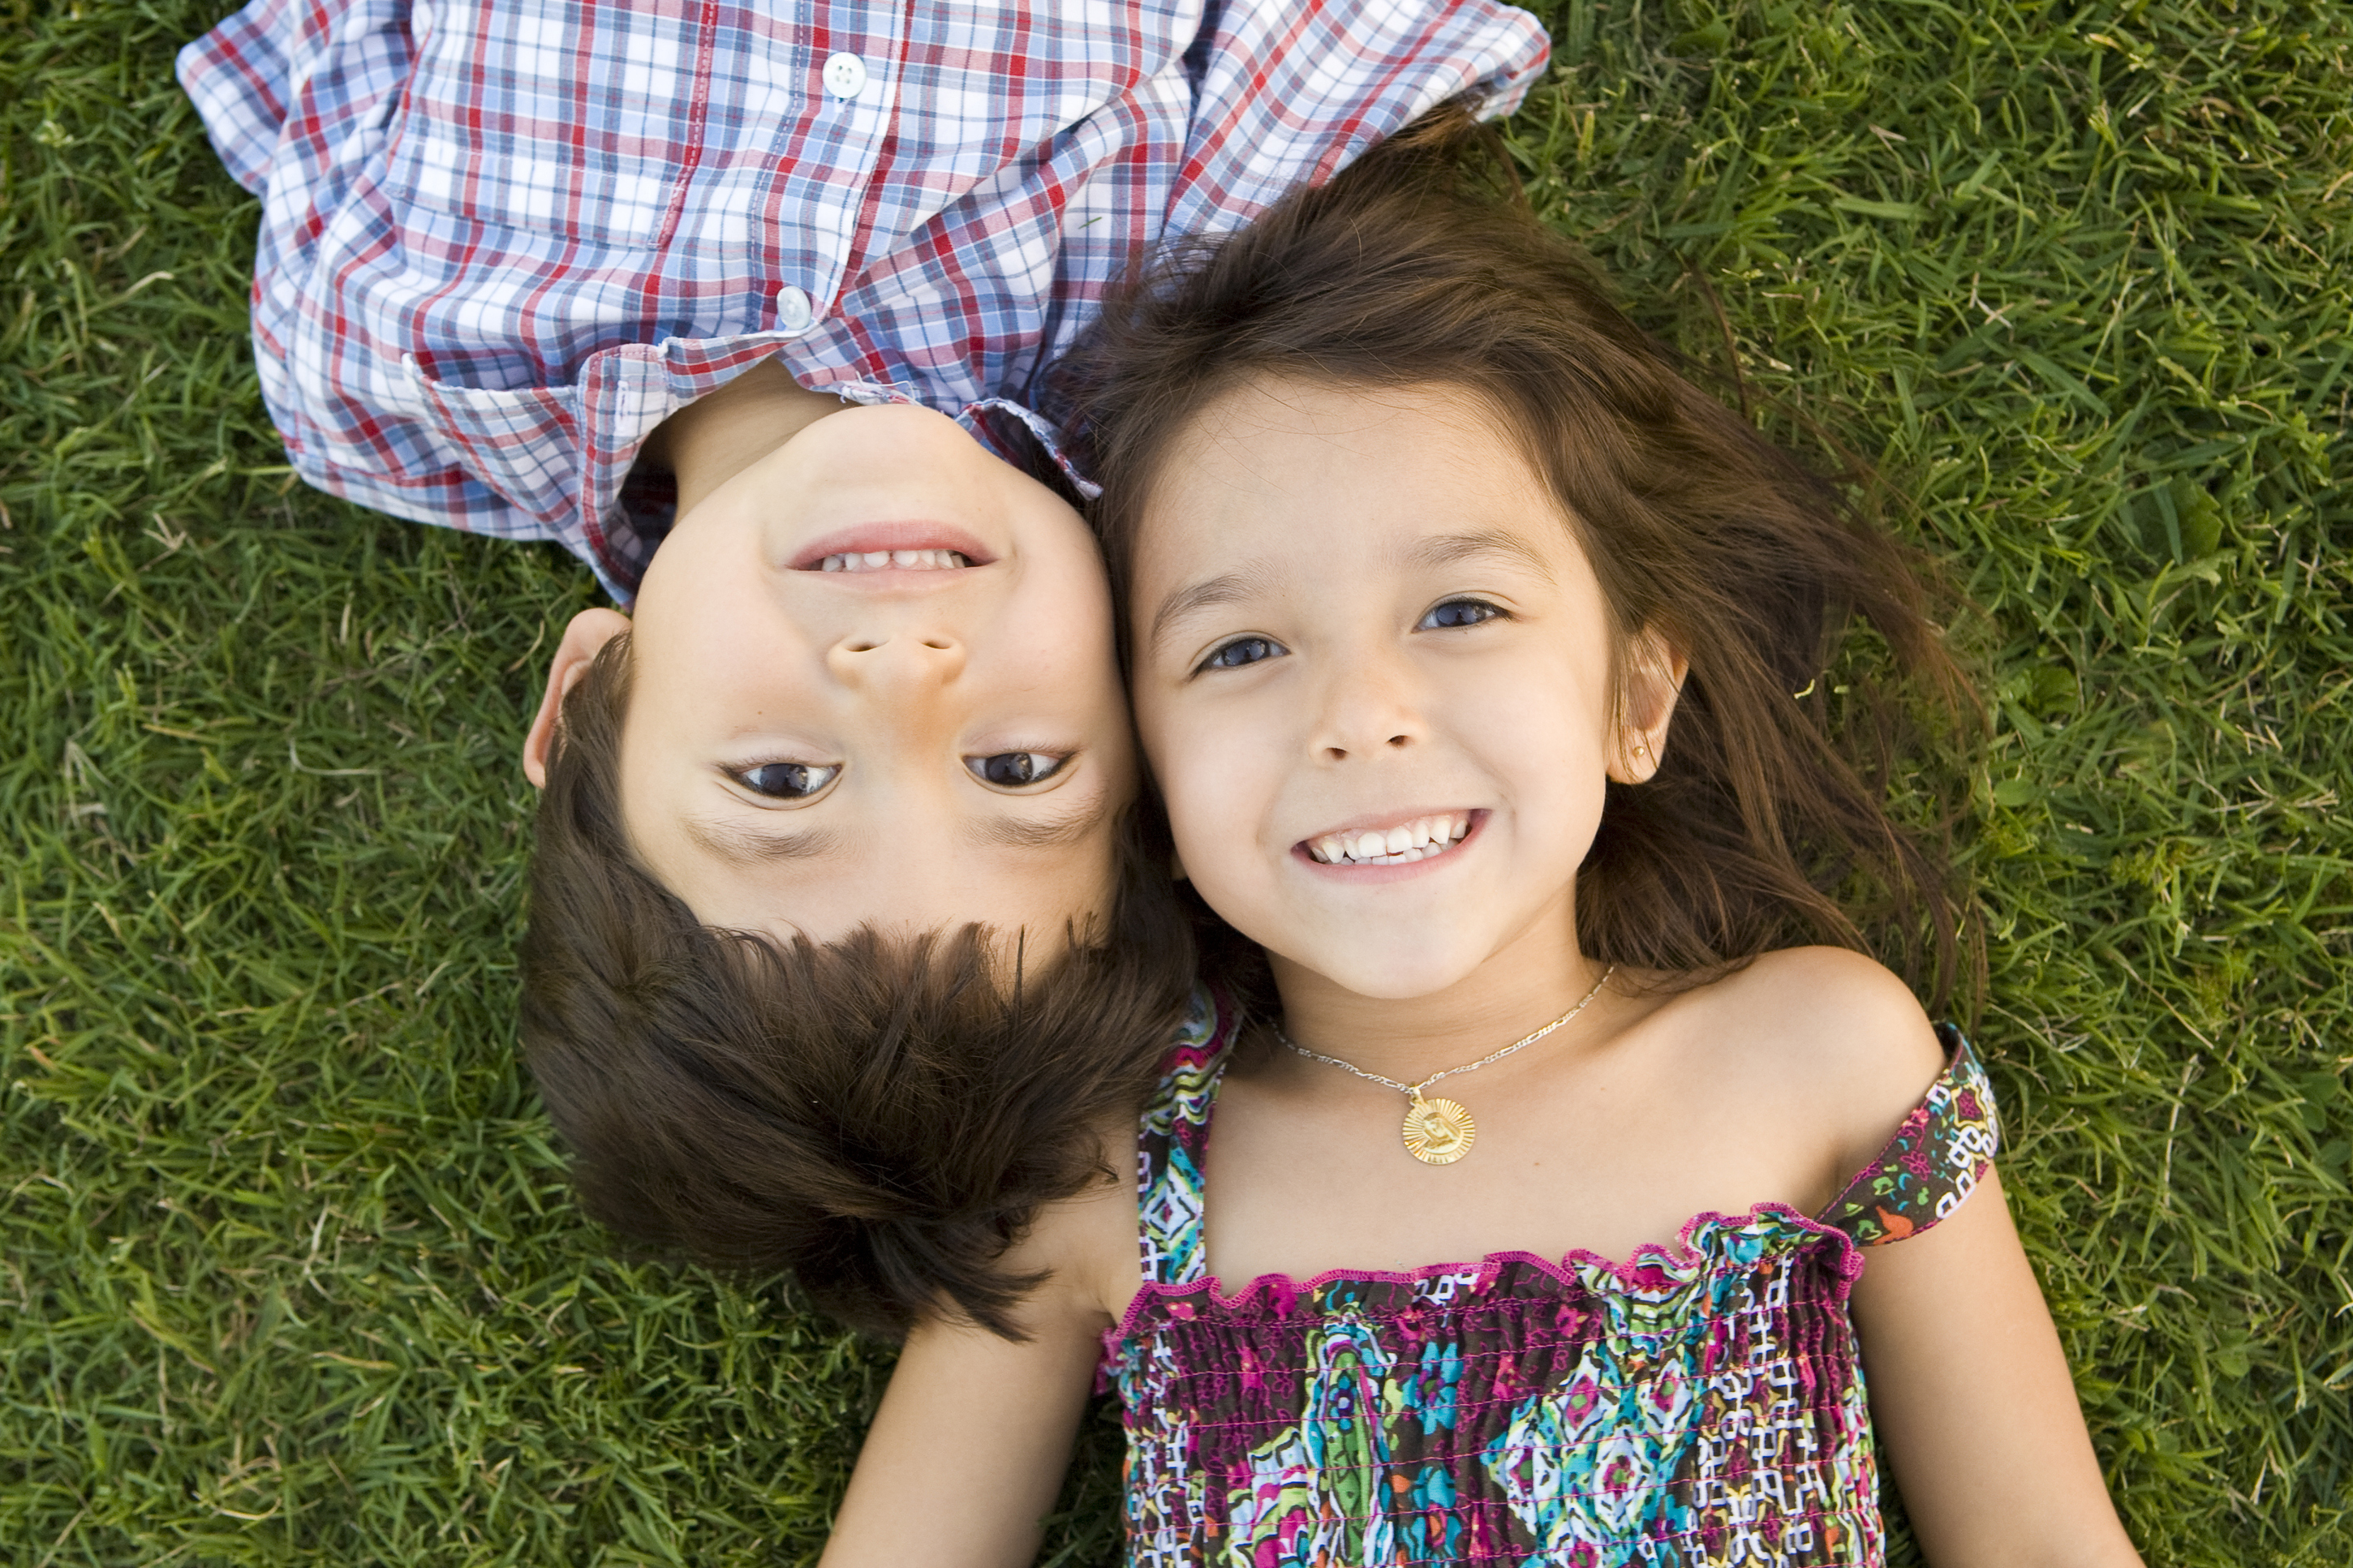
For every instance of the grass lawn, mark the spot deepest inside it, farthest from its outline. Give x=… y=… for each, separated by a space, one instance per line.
x=287 y=1270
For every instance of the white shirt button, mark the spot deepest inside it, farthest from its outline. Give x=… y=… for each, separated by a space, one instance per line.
x=793 y=312
x=845 y=75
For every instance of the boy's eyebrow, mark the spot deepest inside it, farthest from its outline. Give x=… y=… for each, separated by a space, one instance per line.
x=739 y=845
x=1451 y=549
x=1040 y=833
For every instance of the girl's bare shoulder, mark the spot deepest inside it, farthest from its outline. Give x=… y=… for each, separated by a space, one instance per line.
x=1827 y=1036
x=1084 y=1247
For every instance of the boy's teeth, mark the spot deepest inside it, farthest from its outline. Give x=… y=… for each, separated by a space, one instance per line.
x=904 y=560
x=1400 y=846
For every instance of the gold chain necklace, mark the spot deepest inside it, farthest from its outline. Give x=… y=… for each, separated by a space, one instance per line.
x=1440 y=1132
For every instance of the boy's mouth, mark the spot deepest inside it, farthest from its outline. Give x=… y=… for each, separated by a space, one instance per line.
x=911 y=546
x=901 y=560
x=1416 y=839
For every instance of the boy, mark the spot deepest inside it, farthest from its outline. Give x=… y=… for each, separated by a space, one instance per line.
x=770 y=287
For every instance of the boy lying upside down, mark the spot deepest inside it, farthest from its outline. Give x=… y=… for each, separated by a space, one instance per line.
x=744 y=304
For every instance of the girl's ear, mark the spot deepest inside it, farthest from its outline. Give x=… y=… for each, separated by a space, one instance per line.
x=1655 y=669
x=584 y=639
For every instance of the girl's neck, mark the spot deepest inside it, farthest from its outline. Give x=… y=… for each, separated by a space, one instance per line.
x=1525 y=985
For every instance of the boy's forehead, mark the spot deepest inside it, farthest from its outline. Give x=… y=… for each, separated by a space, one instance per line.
x=903 y=876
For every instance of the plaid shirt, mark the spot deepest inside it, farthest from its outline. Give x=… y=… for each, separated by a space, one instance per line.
x=502 y=239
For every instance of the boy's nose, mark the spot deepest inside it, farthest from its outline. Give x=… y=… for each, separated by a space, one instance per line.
x=898 y=663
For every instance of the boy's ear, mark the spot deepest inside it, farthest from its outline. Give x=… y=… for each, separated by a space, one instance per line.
x=1655 y=669
x=583 y=640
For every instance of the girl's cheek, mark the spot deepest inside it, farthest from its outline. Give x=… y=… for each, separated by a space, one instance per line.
x=1218 y=805
x=1178 y=754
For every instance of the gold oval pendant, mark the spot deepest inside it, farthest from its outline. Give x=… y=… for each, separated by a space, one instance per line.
x=1438 y=1132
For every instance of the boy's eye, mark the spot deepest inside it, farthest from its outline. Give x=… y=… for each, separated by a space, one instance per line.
x=1242 y=652
x=787 y=781
x=1458 y=613
x=1011 y=770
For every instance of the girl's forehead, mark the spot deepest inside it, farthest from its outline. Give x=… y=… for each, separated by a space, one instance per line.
x=1282 y=433
x=1297 y=505
x=1282 y=456
x=1287 y=409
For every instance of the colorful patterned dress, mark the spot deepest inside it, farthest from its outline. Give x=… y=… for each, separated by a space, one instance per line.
x=1699 y=1403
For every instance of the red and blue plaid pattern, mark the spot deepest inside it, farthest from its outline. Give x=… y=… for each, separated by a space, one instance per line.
x=502 y=239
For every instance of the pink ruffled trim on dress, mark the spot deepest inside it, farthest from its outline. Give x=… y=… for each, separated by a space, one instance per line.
x=1274 y=1295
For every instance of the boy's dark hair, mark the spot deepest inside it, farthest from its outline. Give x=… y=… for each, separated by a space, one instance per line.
x=1420 y=264
x=879 y=1117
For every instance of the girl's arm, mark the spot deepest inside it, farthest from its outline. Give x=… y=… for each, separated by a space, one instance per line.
x=1970 y=1395
x=967 y=1452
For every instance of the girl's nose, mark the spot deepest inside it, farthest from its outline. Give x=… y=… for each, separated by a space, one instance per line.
x=1367 y=710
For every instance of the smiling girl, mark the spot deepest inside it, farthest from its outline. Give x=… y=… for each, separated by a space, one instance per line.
x=1579 y=1166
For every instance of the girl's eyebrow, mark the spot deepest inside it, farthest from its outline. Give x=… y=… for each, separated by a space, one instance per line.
x=1426 y=556
x=1453 y=549
x=1229 y=588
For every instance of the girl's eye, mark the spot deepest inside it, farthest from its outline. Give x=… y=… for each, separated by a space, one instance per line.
x=1011 y=770
x=787 y=781
x=1242 y=652
x=1458 y=613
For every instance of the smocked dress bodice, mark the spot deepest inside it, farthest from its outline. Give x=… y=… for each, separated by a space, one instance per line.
x=1700 y=1403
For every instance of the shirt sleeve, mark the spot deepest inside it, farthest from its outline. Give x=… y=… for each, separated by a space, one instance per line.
x=1289 y=93
x=236 y=76
x=247 y=76
x=1938 y=1157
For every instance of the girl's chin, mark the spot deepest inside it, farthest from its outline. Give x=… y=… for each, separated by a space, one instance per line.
x=1401 y=977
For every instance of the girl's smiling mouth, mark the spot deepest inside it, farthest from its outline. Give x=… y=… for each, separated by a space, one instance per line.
x=1404 y=842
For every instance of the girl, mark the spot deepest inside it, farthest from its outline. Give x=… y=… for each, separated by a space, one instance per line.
x=1478 y=659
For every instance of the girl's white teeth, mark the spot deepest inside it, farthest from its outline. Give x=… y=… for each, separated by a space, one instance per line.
x=1400 y=846
x=904 y=560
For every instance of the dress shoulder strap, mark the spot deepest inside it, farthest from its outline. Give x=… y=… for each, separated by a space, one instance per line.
x=1939 y=1154
x=1170 y=1141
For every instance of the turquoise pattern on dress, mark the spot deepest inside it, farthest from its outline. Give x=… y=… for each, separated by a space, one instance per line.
x=1169 y=1176
x=1700 y=1404
x=1305 y=1495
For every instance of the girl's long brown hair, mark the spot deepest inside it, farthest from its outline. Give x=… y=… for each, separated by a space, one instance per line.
x=1768 y=824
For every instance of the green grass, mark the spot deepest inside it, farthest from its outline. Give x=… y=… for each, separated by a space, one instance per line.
x=287 y=1273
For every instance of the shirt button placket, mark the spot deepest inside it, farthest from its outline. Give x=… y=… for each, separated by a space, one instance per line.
x=794 y=311
x=845 y=75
